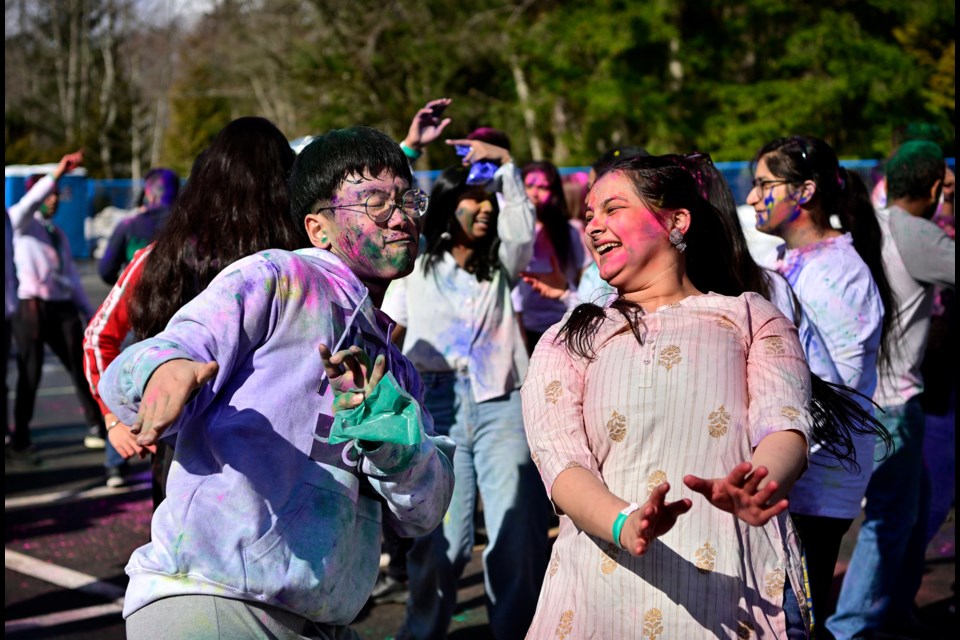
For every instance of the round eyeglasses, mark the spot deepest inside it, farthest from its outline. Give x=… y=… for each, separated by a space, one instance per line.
x=761 y=185
x=379 y=206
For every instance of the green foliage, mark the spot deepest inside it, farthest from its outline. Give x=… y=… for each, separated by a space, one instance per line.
x=566 y=77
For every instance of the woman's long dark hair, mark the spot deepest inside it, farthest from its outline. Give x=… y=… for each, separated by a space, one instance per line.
x=554 y=215
x=440 y=223
x=234 y=204
x=841 y=193
x=717 y=260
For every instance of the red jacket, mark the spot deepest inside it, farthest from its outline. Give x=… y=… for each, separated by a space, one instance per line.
x=103 y=339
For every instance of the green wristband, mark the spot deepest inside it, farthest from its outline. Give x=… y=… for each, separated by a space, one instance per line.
x=621 y=519
x=413 y=154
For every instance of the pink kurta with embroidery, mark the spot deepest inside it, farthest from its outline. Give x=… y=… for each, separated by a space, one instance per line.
x=715 y=374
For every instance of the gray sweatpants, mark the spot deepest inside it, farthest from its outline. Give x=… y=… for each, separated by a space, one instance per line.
x=200 y=617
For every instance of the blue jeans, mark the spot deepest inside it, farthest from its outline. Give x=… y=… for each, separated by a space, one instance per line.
x=887 y=563
x=112 y=457
x=796 y=627
x=492 y=456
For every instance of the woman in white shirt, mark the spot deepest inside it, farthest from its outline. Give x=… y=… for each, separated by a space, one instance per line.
x=456 y=324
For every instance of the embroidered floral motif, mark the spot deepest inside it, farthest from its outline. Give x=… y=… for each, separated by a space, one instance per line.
x=790 y=413
x=655 y=479
x=572 y=464
x=706 y=558
x=617 y=427
x=773 y=583
x=774 y=346
x=553 y=392
x=609 y=556
x=554 y=565
x=719 y=420
x=652 y=624
x=726 y=323
x=669 y=357
x=565 y=627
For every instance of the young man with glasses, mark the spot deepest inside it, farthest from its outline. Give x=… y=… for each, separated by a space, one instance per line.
x=288 y=460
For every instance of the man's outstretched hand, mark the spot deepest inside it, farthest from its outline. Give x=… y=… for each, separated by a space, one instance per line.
x=351 y=375
x=169 y=389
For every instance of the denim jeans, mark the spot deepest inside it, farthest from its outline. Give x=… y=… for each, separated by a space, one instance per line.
x=493 y=457
x=112 y=457
x=796 y=627
x=883 y=575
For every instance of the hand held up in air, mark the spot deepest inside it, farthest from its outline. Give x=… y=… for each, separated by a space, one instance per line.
x=351 y=375
x=169 y=389
x=68 y=163
x=427 y=124
x=740 y=493
x=655 y=518
x=480 y=150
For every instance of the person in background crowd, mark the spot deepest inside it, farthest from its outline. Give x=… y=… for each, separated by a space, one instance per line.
x=9 y=309
x=886 y=568
x=52 y=306
x=575 y=186
x=160 y=189
x=456 y=324
x=846 y=313
x=559 y=246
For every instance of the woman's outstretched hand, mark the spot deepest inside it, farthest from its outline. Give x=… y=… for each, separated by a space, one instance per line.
x=740 y=493
x=652 y=520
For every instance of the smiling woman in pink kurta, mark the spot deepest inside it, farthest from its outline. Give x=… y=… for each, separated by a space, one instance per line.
x=714 y=376
x=671 y=389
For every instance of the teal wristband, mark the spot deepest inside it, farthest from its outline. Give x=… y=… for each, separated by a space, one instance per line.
x=619 y=522
x=410 y=153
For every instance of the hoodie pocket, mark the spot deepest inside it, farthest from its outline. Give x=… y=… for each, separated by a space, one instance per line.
x=320 y=559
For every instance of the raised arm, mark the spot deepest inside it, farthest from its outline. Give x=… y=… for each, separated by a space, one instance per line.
x=515 y=223
x=22 y=211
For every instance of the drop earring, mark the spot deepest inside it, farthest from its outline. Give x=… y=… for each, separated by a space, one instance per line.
x=676 y=239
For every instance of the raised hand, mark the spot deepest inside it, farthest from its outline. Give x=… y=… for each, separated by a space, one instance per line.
x=655 y=518
x=427 y=124
x=740 y=494
x=351 y=376
x=67 y=163
x=480 y=150
x=169 y=389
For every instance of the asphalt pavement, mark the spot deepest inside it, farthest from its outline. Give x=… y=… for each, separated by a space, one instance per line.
x=67 y=537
